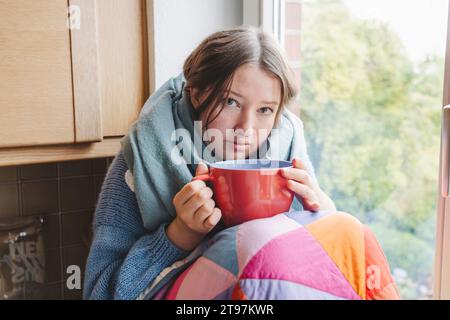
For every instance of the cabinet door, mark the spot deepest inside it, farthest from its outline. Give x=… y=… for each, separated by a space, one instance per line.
x=36 y=97
x=71 y=71
x=123 y=62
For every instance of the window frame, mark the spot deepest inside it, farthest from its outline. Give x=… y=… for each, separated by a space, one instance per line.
x=441 y=275
x=261 y=14
x=442 y=246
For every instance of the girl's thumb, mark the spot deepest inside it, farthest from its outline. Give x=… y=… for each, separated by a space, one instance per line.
x=201 y=169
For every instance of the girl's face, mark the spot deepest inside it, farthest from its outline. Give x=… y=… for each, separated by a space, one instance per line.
x=249 y=112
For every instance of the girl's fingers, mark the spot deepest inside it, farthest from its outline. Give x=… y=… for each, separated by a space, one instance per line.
x=188 y=191
x=298 y=175
x=204 y=211
x=303 y=191
x=313 y=206
x=197 y=200
x=202 y=168
x=213 y=219
x=298 y=163
x=301 y=183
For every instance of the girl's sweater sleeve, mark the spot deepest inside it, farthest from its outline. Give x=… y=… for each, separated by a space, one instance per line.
x=124 y=257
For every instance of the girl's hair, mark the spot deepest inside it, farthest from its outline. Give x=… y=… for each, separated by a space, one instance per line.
x=211 y=66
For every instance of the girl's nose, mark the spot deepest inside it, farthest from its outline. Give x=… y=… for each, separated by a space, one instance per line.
x=246 y=122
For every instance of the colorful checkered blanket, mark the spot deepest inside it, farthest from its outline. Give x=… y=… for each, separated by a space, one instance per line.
x=295 y=255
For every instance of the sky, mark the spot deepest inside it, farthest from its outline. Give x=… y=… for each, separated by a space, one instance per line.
x=421 y=24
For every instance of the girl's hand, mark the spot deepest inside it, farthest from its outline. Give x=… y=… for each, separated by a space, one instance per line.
x=300 y=182
x=196 y=213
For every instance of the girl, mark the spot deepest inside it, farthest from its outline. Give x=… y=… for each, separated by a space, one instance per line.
x=149 y=213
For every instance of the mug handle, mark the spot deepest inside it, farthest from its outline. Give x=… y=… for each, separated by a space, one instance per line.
x=202 y=177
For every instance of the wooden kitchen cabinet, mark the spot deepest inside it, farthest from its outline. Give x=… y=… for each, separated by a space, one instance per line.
x=62 y=86
x=36 y=99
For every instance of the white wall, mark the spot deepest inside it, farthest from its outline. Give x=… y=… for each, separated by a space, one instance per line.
x=180 y=25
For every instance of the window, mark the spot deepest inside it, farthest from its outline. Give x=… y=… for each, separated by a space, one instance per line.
x=371 y=79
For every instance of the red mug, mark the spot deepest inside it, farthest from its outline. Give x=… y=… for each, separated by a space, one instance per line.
x=249 y=189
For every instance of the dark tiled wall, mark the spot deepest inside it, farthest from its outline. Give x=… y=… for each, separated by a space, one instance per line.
x=64 y=194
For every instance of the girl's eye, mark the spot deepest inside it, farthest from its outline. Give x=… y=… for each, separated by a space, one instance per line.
x=266 y=110
x=231 y=102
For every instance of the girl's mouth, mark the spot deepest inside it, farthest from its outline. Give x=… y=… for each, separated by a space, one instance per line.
x=239 y=146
